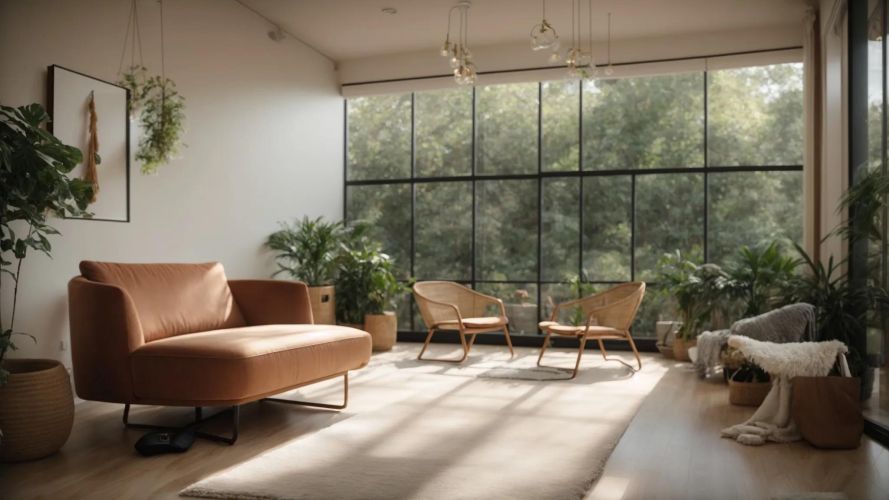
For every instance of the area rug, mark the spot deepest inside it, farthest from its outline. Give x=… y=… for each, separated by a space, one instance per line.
x=427 y=430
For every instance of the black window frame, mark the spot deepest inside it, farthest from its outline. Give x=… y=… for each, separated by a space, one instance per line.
x=473 y=178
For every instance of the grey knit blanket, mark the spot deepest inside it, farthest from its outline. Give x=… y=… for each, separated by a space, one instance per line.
x=793 y=323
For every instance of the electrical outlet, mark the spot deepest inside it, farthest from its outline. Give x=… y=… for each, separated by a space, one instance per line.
x=62 y=346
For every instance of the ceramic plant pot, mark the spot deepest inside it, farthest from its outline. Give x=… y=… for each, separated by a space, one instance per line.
x=383 y=329
x=323 y=301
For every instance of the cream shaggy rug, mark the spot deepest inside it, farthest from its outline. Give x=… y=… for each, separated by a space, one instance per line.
x=490 y=428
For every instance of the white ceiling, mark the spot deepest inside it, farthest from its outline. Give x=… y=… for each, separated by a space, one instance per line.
x=352 y=29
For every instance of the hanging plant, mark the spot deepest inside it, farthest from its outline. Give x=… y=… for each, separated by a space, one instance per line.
x=163 y=123
x=135 y=79
x=160 y=107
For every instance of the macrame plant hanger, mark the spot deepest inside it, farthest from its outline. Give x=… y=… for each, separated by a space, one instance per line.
x=91 y=174
x=132 y=40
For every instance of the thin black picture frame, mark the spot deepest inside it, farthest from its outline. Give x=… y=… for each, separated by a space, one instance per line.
x=50 y=90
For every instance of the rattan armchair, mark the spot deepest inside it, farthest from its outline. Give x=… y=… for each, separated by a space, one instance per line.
x=445 y=305
x=608 y=314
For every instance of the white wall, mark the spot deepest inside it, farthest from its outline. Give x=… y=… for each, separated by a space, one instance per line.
x=265 y=132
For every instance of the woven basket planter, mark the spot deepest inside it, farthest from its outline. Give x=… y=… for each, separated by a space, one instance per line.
x=383 y=329
x=36 y=409
x=323 y=303
x=680 y=348
x=747 y=393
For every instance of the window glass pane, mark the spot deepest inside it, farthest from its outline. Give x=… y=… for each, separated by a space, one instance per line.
x=387 y=209
x=607 y=227
x=520 y=302
x=559 y=238
x=648 y=122
x=748 y=208
x=561 y=120
x=755 y=116
x=443 y=231
x=444 y=132
x=507 y=129
x=656 y=306
x=506 y=230
x=379 y=137
x=669 y=217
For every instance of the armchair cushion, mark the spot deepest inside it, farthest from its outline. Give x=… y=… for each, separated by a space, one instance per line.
x=172 y=299
x=231 y=366
x=487 y=322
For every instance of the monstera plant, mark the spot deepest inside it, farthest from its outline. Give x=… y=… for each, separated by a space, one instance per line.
x=34 y=168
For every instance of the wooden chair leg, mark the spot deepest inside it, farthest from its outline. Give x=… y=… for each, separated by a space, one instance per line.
x=602 y=350
x=466 y=347
x=508 y=341
x=635 y=351
x=543 y=348
x=579 y=355
x=426 y=344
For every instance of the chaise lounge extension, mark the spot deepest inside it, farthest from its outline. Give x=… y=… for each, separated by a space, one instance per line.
x=184 y=335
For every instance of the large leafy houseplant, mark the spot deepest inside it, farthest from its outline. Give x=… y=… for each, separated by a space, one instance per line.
x=700 y=292
x=34 y=168
x=366 y=282
x=307 y=250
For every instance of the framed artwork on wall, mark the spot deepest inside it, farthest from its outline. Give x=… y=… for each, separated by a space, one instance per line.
x=91 y=114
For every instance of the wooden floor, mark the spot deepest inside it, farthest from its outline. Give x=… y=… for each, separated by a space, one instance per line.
x=671 y=450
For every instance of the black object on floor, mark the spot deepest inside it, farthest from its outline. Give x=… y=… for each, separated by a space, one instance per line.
x=158 y=442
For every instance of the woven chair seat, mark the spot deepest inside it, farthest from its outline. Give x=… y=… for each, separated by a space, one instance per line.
x=488 y=322
x=593 y=331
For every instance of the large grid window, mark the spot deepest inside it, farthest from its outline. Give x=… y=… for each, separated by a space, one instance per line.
x=516 y=189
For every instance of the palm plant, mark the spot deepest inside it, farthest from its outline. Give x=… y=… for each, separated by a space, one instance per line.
x=758 y=276
x=307 y=249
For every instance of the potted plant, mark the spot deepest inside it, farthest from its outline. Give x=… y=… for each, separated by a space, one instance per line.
x=36 y=403
x=748 y=384
x=367 y=288
x=758 y=276
x=306 y=251
x=841 y=309
x=700 y=293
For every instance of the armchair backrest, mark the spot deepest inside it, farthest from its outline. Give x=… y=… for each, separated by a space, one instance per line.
x=429 y=294
x=615 y=307
x=172 y=299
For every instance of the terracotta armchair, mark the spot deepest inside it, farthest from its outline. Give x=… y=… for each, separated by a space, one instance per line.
x=445 y=305
x=183 y=335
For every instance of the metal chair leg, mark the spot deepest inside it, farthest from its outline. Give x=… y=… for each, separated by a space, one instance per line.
x=319 y=405
x=235 y=410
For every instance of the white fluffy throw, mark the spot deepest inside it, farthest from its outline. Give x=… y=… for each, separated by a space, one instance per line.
x=772 y=421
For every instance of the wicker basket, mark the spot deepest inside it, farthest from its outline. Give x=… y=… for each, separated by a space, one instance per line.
x=383 y=329
x=747 y=393
x=680 y=348
x=36 y=409
x=323 y=303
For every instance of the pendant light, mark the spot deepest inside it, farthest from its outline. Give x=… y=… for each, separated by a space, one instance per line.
x=543 y=35
x=579 y=61
x=459 y=53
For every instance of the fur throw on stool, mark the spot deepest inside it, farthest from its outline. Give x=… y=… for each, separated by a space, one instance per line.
x=772 y=421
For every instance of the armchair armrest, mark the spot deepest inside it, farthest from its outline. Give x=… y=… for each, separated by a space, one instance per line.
x=105 y=329
x=270 y=302
x=443 y=312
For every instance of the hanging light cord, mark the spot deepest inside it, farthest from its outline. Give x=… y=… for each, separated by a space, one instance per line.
x=132 y=36
x=609 y=38
x=163 y=61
